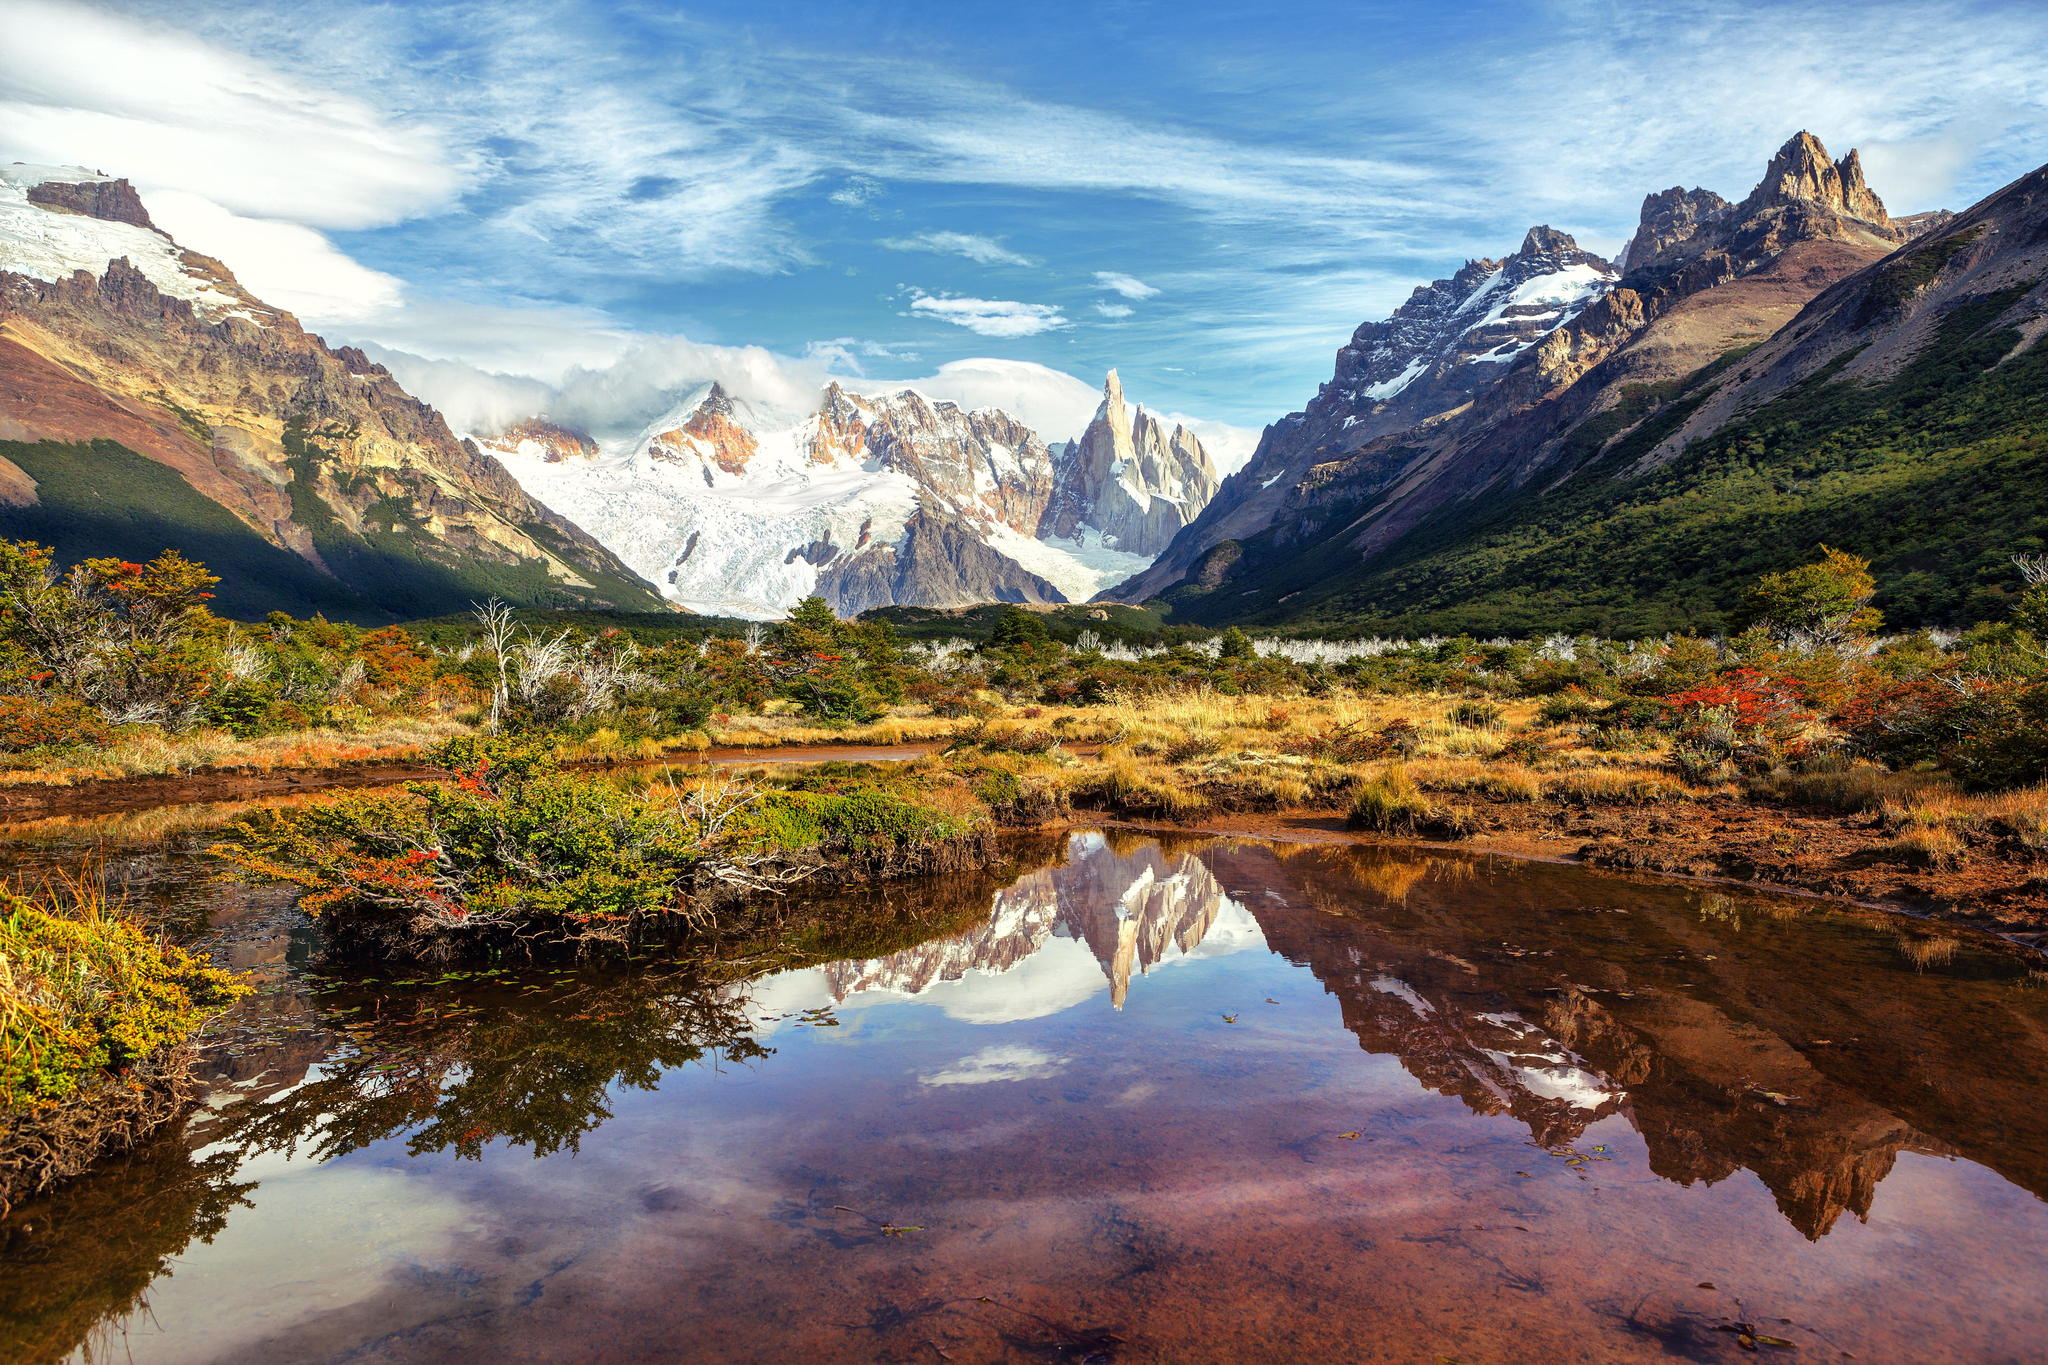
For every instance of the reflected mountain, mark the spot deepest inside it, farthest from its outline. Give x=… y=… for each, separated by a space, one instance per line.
x=1735 y=1033
x=1133 y=902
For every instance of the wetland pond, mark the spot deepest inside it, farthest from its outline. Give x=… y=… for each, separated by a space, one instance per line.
x=1127 y=1098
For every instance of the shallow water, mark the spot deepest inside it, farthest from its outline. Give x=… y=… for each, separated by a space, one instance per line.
x=1137 y=1101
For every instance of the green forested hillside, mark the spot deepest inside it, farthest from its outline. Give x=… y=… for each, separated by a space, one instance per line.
x=101 y=499
x=1938 y=476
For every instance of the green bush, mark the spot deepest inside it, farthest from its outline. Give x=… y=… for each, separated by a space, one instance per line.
x=513 y=849
x=86 y=993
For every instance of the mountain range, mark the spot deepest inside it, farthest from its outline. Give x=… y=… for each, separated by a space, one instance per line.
x=1548 y=440
x=871 y=500
x=148 y=401
x=1553 y=441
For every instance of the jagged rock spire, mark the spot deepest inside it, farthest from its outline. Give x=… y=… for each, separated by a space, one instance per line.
x=1803 y=171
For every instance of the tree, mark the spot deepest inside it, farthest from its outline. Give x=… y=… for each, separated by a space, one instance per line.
x=1016 y=628
x=813 y=613
x=2031 y=613
x=1235 y=644
x=1827 y=602
x=129 y=640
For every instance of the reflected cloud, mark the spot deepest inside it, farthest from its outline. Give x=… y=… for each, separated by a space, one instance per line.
x=1010 y=1063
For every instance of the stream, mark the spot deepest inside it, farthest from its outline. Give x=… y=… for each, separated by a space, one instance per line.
x=1124 y=1098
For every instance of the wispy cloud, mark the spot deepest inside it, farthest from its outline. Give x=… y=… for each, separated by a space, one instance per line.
x=171 y=111
x=1130 y=286
x=989 y=317
x=593 y=158
x=979 y=249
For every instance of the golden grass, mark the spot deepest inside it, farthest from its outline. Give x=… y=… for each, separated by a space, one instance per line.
x=157 y=755
x=903 y=726
x=1854 y=787
x=2023 y=814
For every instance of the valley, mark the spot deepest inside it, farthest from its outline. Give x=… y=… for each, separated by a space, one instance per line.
x=610 y=749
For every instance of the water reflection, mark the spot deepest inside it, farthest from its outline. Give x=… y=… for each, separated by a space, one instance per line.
x=1734 y=1033
x=536 y=1064
x=1115 y=906
x=1141 y=1099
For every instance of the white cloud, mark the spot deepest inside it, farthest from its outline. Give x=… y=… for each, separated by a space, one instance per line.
x=472 y=399
x=286 y=264
x=1114 y=310
x=170 y=111
x=1051 y=402
x=856 y=191
x=989 y=317
x=1008 y=1062
x=1130 y=286
x=981 y=250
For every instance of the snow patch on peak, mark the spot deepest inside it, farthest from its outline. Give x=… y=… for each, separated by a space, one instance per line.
x=26 y=176
x=52 y=245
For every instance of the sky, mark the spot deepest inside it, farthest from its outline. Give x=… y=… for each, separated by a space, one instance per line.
x=593 y=208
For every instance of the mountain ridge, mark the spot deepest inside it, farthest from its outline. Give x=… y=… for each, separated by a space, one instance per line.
x=872 y=500
x=1704 y=282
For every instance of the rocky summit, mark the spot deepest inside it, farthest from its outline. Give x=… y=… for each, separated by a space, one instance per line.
x=1429 y=423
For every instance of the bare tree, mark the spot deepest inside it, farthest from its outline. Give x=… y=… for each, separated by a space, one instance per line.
x=496 y=619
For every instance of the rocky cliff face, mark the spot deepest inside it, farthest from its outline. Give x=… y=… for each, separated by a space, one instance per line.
x=872 y=500
x=1127 y=480
x=1700 y=277
x=1453 y=340
x=109 y=330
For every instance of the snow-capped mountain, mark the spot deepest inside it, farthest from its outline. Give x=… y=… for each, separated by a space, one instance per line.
x=1106 y=915
x=1436 y=349
x=1452 y=340
x=1128 y=479
x=1487 y=380
x=870 y=500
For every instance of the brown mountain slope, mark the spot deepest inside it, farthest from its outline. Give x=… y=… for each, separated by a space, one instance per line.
x=315 y=451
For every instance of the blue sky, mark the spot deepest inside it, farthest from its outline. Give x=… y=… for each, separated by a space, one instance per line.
x=590 y=206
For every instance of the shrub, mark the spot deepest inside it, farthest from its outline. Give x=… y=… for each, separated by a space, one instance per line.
x=1392 y=804
x=49 y=721
x=1567 y=706
x=94 y=1015
x=512 y=850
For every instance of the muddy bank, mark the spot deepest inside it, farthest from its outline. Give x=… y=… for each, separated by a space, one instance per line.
x=113 y=795
x=2001 y=885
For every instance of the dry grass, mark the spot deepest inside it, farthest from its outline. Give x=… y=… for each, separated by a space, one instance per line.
x=2022 y=814
x=903 y=726
x=156 y=755
x=1853 y=787
x=1616 y=786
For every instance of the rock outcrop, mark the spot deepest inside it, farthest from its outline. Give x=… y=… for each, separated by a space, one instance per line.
x=1128 y=480
x=1364 y=464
